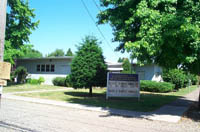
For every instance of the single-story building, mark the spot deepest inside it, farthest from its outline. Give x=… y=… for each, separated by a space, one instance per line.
x=146 y=72
x=114 y=67
x=149 y=72
x=51 y=67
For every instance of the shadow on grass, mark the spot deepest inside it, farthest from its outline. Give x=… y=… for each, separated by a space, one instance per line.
x=148 y=105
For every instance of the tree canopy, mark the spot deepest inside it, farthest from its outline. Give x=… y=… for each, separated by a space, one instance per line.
x=88 y=67
x=19 y=25
x=165 y=32
x=20 y=22
x=126 y=66
x=57 y=53
x=69 y=53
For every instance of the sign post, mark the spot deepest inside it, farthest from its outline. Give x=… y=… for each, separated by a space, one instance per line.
x=123 y=85
x=3 y=4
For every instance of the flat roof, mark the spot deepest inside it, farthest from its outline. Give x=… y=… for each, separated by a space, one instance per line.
x=47 y=58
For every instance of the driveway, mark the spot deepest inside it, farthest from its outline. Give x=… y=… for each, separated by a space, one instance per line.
x=32 y=117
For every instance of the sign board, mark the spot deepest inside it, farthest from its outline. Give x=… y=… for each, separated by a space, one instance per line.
x=123 y=85
x=3 y=82
x=5 y=70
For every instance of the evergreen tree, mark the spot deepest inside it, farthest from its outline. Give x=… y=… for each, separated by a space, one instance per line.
x=69 y=53
x=88 y=68
x=120 y=59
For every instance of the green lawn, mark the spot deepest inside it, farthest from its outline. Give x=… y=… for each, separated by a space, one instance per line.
x=148 y=101
x=28 y=87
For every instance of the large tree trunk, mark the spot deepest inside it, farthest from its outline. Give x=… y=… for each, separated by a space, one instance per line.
x=90 y=92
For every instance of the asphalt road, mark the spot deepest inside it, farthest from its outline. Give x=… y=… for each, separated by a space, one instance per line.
x=17 y=116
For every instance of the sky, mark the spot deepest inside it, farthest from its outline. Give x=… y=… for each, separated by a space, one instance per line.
x=63 y=25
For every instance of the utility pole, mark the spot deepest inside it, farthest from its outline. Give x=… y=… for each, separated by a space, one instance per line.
x=3 y=5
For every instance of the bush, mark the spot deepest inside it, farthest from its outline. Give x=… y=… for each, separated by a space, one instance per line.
x=59 y=81
x=153 y=86
x=41 y=80
x=194 y=79
x=175 y=76
x=33 y=81
x=21 y=73
x=36 y=81
x=68 y=81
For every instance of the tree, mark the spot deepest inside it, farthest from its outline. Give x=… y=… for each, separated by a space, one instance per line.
x=88 y=67
x=69 y=53
x=164 y=32
x=120 y=59
x=126 y=66
x=56 y=53
x=19 y=25
x=25 y=51
x=31 y=53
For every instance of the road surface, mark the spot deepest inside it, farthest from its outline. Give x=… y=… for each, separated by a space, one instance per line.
x=17 y=116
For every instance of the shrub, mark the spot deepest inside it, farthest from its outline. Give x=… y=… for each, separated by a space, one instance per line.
x=33 y=81
x=194 y=79
x=41 y=80
x=68 y=81
x=21 y=73
x=152 y=86
x=36 y=81
x=175 y=76
x=59 y=81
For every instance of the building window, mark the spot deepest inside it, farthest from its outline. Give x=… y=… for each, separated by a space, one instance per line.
x=38 y=68
x=43 y=68
x=52 y=68
x=47 y=68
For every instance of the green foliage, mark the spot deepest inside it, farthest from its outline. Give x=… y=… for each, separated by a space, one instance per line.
x=21 y=73
x=120 y=59
x=69 y=53
x=126 y=66
x=151 y=86
x=68 y=81
x=88 y=68
x=175 y=76
x=33 y=81
x=19 y=23
x=56 y=53
x=59 y=81
x=24 y=51
x=166 y=32
x=41 y=80
x=32 y=53
x=193 y=78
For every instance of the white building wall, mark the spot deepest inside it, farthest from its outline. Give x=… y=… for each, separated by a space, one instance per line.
x=62 y=68
x=149 y=72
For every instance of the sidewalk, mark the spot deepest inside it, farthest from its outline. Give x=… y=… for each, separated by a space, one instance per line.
x=169 y=113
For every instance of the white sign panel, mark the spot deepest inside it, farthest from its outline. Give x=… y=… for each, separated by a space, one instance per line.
x=123 y=85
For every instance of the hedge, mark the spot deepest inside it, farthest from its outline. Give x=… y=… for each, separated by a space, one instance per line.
x=179 y=78
x=59 y=81
x=152 y=86
x=175 y=76
x=36 y=81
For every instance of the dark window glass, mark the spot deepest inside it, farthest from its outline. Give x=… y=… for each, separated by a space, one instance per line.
x=52 y=68
x=43 y=68
x=38 y=68
x=47 y=68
